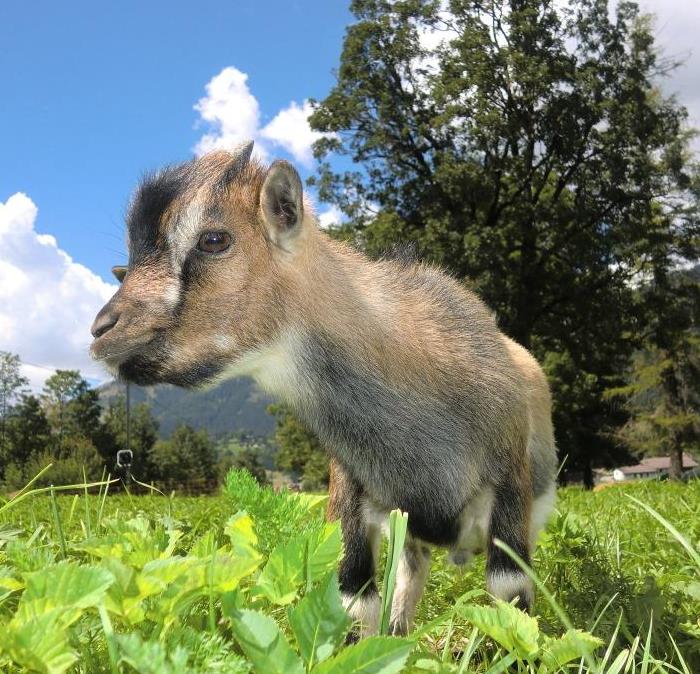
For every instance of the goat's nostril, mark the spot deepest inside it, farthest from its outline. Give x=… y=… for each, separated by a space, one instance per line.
x=104 y=322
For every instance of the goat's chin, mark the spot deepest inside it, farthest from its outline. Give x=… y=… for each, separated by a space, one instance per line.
x=147 y=371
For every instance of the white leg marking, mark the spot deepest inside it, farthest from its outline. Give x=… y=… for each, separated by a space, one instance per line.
x=509 y=584
x=363 y=610
x=411 y=576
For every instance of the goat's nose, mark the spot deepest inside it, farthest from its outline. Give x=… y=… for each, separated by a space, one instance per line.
x=104 y=321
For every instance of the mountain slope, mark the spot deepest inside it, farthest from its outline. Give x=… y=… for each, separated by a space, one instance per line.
x=235 y=405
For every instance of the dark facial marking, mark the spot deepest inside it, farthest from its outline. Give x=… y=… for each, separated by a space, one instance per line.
x=155 y=194
x=148 y=369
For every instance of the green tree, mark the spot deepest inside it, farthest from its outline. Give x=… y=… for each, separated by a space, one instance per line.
x=187 y=456
x=60 y=389
x=78 y=459
x=144 y=434
x=11 y=383
x=73 y=409
x=663 y=391
x=299 y=450
x=248 y=459
x=531 y=151
x=28 y=430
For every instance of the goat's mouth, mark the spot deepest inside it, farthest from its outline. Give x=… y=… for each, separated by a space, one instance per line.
x=115 y=349
x=150 y=359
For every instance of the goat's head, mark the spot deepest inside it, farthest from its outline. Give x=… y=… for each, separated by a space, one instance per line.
x=207 y=240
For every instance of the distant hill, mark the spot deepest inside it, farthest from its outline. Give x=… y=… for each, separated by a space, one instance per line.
x=234 y=406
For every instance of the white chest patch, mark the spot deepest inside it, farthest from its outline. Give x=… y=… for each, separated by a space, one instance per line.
x=273 y=367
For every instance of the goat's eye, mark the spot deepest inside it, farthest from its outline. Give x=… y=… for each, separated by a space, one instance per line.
x=214 y=242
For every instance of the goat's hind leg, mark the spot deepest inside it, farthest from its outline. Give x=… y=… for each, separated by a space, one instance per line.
x=510 y=523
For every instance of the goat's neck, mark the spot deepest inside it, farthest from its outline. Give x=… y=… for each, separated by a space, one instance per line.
x=331 y=293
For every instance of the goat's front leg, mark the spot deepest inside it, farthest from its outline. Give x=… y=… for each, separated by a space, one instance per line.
x=411 y=576
x=360 y=541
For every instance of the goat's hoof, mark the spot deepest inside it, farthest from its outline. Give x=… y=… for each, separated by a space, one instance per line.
x=352 y=637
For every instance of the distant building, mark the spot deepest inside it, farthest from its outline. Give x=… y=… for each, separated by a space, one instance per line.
x=653 y=467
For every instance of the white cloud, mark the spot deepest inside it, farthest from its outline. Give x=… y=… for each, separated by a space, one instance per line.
x=675 y=30
x=47 y=301
x=232 y=114
x=230 y=110
x=290 y=129
x=330 y=218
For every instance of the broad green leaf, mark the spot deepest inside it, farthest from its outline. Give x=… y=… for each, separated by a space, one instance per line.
x=510 y=627
x=103 y=547
x=376 y=655
x=8 y=581
x=181 y=581
x=68 y=584
x=160 y=574
x=309 y=557
x=204 y=545
x=263 y=644
x=223 y=572
x=692 y=589
x=135 y=541
x=240 y=532
x=312 y=502
x=433 y=666
x=177 y=583
x=319 y=621
x=124 y=597
x=325 y=550
x=572 y=645
x=38 y=643
x=67 y=587
x=281 y=577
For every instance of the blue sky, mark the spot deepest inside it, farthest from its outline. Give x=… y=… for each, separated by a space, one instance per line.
x=96 y=93
x=92 y=94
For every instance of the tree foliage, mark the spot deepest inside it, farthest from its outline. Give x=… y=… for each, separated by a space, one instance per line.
x=299 y=450
x=187 y=456
x=28 y=431
x=663 y=391
x=526 y=147
x=11 y=383
x=144 y=434
x=66 y=426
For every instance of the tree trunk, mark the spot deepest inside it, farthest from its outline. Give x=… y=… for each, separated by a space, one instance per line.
x=676 y=469
x=588 y=475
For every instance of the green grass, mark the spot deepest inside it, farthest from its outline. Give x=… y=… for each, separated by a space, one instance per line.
x=159 y=584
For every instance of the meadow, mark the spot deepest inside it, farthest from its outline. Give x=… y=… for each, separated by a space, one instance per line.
x=245 y=581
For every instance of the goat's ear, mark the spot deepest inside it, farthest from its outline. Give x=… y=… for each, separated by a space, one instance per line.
x=282 y=202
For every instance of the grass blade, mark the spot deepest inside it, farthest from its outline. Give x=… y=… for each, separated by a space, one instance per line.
x=694 y=555
x=398 y=525
x=57 y=522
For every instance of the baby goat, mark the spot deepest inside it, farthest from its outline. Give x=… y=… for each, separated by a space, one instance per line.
x=421 y=402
